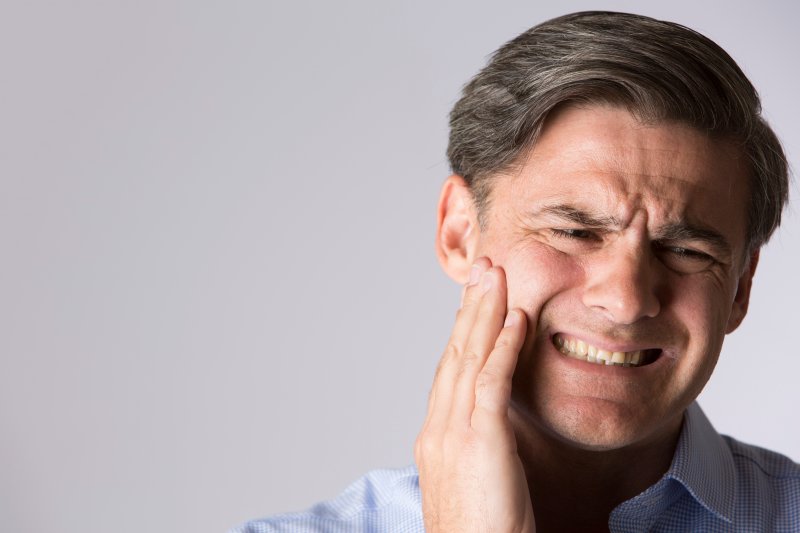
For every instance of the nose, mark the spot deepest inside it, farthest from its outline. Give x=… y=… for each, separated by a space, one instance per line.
x=623 y=285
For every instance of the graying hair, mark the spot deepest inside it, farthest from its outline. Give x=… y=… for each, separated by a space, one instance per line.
x=659 y=71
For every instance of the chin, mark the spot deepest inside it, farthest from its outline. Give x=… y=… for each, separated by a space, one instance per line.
x=589 y=424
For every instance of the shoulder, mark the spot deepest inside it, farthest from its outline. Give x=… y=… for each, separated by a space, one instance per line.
x=760 y=462
x=768 y=486
x=758 y=465
x=382 y=500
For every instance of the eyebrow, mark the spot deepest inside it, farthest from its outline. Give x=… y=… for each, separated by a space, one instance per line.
x=578 y=216
x=675 y=231
x=682 y=231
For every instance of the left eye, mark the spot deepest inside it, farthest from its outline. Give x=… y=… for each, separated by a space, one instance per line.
x=684 y=260
x=572 y=233
x=686 y=252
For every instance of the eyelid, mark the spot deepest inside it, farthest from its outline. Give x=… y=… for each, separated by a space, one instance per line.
x=571 y=233
x=685 y=260
x=686 y=248
x=683 y=251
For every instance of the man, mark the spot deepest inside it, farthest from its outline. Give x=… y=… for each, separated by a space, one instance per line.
x=612 y=185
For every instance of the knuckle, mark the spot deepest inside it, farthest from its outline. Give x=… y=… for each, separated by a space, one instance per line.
x=511 y=336
x=484 y=385
x=425 y=446
x=469 y=360
x=490 y=389
x=417 y=450
x=451 y=353
x=504 y=341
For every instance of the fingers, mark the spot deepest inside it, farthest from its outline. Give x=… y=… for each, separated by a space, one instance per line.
x=470 y=303
x=478 y=336
x=483 y=334
x=441 y=397
x=493 y=383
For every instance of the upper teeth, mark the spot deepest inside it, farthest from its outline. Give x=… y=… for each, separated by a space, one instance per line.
x=579 y=349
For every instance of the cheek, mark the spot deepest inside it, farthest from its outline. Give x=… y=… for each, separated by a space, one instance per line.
x=535 y=273
x=703 y=310
x=702 y=304
x=705 y=329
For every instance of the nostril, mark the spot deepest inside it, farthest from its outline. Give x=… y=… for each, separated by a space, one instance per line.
x=624 y=306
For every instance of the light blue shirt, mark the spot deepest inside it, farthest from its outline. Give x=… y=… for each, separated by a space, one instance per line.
x=714 y=484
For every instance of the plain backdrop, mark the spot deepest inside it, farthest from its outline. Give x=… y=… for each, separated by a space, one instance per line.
x=218 y=292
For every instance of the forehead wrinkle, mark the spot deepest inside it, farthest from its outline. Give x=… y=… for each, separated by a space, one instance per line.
x=660 y=177
x=578 y=215
x=673 y=229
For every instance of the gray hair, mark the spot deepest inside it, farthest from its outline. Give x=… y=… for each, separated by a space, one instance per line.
x=659 y=71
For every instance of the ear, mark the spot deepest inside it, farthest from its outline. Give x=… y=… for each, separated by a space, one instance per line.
x=742 y=298
x=457 y=231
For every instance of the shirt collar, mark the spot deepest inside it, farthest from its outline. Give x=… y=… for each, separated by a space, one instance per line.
x=703 y=464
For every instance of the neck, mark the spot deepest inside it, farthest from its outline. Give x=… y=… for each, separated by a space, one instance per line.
x=575 y=489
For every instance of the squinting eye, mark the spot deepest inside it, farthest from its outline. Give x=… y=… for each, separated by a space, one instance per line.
x=686 y=252
x=684 y=260
x=572 y=233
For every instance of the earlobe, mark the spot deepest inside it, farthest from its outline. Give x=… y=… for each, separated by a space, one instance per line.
x=457 y=229
x=742 y=298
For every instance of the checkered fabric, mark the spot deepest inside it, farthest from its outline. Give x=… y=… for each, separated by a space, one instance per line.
x=715 y=484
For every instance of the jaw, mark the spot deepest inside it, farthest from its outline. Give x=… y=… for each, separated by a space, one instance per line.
x=594 y=424
x=589 y=476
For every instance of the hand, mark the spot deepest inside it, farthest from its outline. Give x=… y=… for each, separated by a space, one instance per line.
x=470 y=474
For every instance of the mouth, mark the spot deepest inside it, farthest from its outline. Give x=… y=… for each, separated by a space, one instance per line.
x=583 y=351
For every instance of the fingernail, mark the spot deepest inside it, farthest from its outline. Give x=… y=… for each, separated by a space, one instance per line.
x=487 y=281
x=474 y=274
x=511 y=319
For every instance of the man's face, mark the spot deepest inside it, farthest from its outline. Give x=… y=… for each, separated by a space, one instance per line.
x=627 y=241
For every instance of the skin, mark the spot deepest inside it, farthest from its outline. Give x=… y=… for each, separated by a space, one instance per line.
x=625 y=235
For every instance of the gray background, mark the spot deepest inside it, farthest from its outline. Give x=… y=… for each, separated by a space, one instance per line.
x=218 y=292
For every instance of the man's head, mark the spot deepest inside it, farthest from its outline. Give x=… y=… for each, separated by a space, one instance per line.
x=617 y=168
x=659 y=71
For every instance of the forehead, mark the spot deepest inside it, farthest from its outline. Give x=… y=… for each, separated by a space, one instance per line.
x=603 y=158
